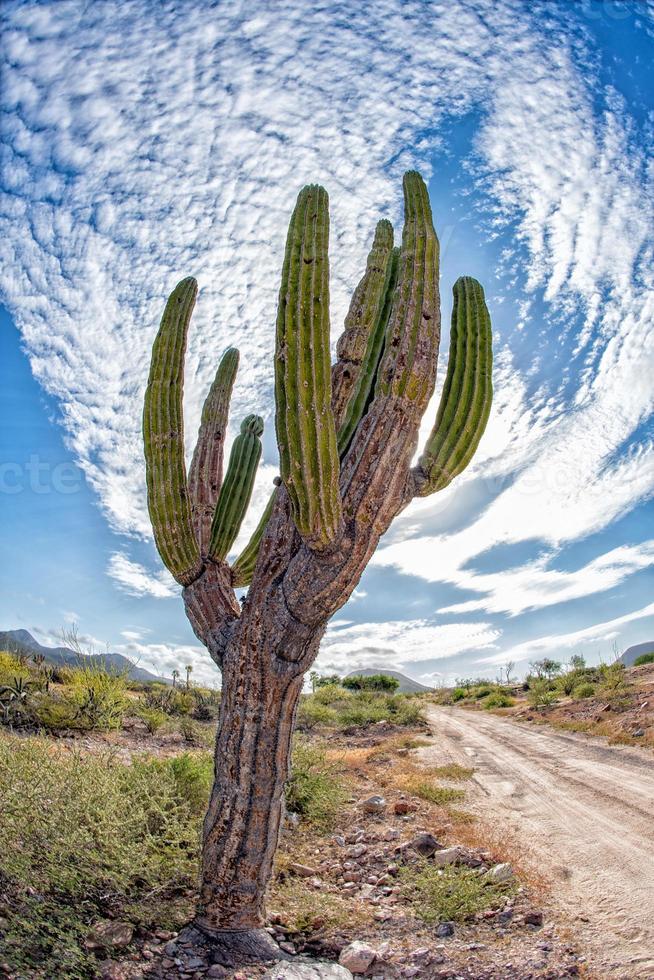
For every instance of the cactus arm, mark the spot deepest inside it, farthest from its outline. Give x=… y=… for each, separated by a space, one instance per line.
x=205 y=474
x=362 y=322
x=163 y=435
x=243 y=567
x=306 y=434
x=467 y=393
x=236 y=490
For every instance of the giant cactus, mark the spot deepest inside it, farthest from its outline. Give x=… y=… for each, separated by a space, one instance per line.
x=346 y=435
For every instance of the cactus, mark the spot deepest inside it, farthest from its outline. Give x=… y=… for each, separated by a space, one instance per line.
x=346 y=436
x=236 y=490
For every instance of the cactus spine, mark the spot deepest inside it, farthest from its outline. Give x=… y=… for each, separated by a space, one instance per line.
x=163 y=435
x=236 y=490
x=306 y=434
x=467 y=393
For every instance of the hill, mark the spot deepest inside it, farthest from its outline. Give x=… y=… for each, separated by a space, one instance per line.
x=637 y=650
x=407 y=684
x=22 y=642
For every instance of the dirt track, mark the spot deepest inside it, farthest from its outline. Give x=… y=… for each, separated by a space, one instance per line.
x=586 y=808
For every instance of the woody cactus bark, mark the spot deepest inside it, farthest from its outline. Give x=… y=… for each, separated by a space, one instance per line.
x=347 y=435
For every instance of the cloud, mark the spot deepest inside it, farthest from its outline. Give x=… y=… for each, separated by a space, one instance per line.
x=135 y=580
x=563 y=644
x=163 y=658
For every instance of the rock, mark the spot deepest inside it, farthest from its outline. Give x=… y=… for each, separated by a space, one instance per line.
x=449 y=855
x=309 y=970
x=533 y=918
x=420 y=955
x=357 y=851
x=170 y=949
x=110 y=970
x=357 y=957
x=400 y=807
x=391 y=834
x=110 y=935
x=638 y=733
x=499 y=873
x=445 y=929
x=301 y=870
x=374 y=804
x=338 y=840
x=216 y=971
x=425 y=844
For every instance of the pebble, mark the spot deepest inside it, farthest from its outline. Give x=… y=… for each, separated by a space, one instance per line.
x=445 y=929
x=500 y=873
x=357 y=957
x=374 y=804
x=425 y=844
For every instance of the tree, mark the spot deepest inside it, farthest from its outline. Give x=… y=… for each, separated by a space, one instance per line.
x=577 y=661
x=189 y=671
x=328 y=680
x=509 y=667
x=175 y=676
x=545 y=668
x=346 y=437
x=371 y=682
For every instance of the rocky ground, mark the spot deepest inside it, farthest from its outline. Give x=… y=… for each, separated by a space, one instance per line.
x=339 y=906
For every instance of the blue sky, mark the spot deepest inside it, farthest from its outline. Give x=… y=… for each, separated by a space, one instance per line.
x=143 y=142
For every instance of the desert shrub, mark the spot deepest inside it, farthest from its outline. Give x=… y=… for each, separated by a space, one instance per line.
x=371 y=682
x=331 y=693
x=193 y=733
x=193 y=775
x=482 y=691
x=427 y=789
x=645 y=658
x=452 y=770
x=152 y=718
x=329 y=680
x=55 y=712
x=82 y=832
x=11 y=667
x=100 y=697
x=171 y=700
x=450 y=894
x=312 y=714
x=315 y=790
x=540 y=693
x=498 y=700
x=584 y=691
x=458 y=694
x=613 y=681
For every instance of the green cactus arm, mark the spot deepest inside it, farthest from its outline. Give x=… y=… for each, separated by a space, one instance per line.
x=306 y=434
x=408 y=365
x=243 y=567
x=467 y=393
x=236 y=490
x=361 y=344
x=163 y=436
x=205 y=474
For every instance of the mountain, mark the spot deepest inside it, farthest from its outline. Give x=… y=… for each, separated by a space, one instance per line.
x=22 y=642
x=407 y=684
x=638 y=650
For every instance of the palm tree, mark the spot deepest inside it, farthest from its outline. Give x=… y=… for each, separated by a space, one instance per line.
x=175 y=676
x=189 y=671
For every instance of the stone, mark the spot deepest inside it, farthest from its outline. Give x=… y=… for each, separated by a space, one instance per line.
x=400 y=807
x=391 y=834
x=449 y=855
x=425 y=844
x=374 y=804
x=357 y=851
x=639 y=733
x=499 y=873
x=216 y=971
x=301 y=870
x=533 y=918
x=309 y=970
x=110 y=934
x=445 y=929
x=357 y=957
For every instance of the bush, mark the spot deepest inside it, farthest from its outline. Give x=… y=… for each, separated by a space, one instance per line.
x=428 y=790
x=540 y=693
x=193 y=733
x=100 y=697
x=311 y=714
x=371 y=682
x=170 y=700
x=315 y=789
x=152 y=718
x=482 y=691
x=584 y=691
x=83 y=833
x=450 y=894
x=458 y=694
x=11 y=667
x=331 y=693
x=498 y=700
x=645 y=658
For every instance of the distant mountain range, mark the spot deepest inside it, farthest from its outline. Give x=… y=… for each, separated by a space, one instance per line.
x=637 y=650
x=22 y=642
x=407 y=684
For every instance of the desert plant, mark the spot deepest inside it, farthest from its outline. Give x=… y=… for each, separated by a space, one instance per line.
x=152 y=718
x=645 y=658
x=498 y=699
x=540 y=693
x=14 y=698
x=451 y=893
x=458 y=694
x=315 y=789
x=371 y=682
x=347 y=436
x=584 y=691
x=100 y=696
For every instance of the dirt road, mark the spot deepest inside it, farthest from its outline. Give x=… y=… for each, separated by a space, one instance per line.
x=583 y=809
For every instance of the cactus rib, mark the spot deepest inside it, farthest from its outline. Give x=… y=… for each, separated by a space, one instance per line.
x=467 y=393
x=306 y=434
x=205 y=474
x=163 y=435
x=410 y=352
x=361 y=344
x=243 y=567
x=236 y=490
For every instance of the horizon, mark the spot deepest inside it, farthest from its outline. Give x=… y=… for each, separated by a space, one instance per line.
x=538 y=163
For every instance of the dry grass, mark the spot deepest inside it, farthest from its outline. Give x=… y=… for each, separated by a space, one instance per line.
x=307 y=908
x=453 y=771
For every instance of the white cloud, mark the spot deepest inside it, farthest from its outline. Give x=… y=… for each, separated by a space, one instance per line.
x=136 y=580
x=565 y=644
x=162 y=658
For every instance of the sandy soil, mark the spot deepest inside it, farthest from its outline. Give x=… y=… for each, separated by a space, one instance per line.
x=584 y=810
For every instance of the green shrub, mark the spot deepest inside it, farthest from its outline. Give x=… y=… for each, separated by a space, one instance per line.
x=540 y=693
x=57 y=713
x=331 y=693
x=170 y=700
x=152 y=718
x=315 y=790
x=426 y=789
x=498 y=700
x=584 y=691
x=450 y=894
x=458 y=694
x=100 y=696
x=311 y=714
x=482 y=691
x=193 y=733
x=613 y=682
x=371 y=682
x=645 y=658
x=11 y=667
